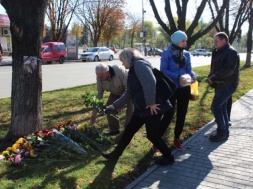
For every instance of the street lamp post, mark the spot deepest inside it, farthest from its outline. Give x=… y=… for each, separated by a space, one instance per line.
x=143 y=32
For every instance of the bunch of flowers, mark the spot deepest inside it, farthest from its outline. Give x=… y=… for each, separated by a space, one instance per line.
x=65 y=141
x=22 y=148
x=26 y=147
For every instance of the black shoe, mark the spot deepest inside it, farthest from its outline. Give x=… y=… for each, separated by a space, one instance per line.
x=218 y=138
x=111 y=156
x=165 y=161
x=111 y=133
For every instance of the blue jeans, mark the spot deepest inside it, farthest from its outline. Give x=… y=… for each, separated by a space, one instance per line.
x=219 y=108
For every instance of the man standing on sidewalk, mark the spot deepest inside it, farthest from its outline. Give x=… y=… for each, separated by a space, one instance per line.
x=224 y=78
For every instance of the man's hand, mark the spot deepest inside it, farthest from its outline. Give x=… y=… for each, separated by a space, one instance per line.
x=110 y=110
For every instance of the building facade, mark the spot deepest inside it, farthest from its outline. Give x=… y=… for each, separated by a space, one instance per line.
x=5 y=34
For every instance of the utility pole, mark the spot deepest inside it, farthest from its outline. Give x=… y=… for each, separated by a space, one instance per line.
x=143 y=31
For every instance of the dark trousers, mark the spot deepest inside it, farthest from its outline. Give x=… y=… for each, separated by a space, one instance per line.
x=219 y=108
x=153 y=134
x=114 y=122
x=229 y=107
x=179 y=102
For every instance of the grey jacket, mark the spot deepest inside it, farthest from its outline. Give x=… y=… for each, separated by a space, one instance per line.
x=141 y=89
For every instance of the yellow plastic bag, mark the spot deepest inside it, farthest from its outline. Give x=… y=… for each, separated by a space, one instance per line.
x=194 y=91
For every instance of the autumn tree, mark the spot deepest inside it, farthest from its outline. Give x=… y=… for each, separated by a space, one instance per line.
x=77 y=30
x=95 y=14
x=133 y=26
x=26 y=25
x=60 y=14
x=150 y=29
x=113 y=26
x=180 y=23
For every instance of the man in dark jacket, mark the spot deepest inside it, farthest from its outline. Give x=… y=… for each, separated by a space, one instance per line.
x=224 y=78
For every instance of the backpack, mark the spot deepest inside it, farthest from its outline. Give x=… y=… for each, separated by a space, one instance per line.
x=165 y=87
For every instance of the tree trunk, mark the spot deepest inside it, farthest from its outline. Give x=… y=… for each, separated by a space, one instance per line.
x=26 y=25
x=249 y=40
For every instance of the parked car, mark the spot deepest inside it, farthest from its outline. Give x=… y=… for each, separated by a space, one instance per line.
x=157 y=52
x=97 y=53
x=201 y=52
x=53 y=51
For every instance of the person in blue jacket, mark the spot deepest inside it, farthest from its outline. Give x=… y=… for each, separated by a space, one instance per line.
x=176 y=63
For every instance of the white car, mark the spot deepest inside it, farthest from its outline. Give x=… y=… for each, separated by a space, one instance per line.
x=201 y=52
x=97 y=53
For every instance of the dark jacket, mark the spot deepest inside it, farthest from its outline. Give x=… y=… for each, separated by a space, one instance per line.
x=141 y=88
x=225 y=67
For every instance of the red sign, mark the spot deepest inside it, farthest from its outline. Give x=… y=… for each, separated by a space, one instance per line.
x=4 y=20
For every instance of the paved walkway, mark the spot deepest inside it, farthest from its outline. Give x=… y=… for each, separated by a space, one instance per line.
x=203 y=164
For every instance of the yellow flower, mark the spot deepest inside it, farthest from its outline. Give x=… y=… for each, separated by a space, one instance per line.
x=15 y=148
x=82 y=127
x=20 y=140
x=8 y=149
x=5 y=153
x=32 y=154
x=26 y=143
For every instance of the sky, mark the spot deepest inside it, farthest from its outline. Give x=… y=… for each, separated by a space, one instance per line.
x=2 y=10
x=135 y=6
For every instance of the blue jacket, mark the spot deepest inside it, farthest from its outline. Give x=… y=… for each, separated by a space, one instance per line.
x=172 y=69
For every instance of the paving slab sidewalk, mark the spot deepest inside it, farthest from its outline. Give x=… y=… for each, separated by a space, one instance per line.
x=203 y=164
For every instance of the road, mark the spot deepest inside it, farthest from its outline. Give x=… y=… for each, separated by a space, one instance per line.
x=71 y=74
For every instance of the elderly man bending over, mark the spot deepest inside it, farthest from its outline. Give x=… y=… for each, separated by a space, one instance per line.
x=112 y=79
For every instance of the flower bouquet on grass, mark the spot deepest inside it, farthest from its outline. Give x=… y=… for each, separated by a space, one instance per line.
x=21 y=149
x=87 y=136
x=63 y=142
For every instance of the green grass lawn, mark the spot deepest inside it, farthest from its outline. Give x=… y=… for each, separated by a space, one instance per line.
x=94 y=172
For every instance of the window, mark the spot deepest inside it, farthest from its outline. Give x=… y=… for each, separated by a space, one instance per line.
x=62 y=48
x=56 y=48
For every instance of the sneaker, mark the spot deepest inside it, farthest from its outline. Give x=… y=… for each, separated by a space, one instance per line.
x=112 y=133
x=177 y=144
x=165 y=161
x=218 y=138
x=110 y=156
